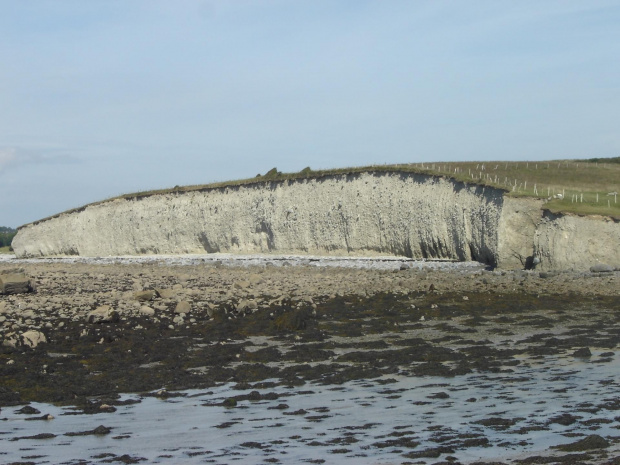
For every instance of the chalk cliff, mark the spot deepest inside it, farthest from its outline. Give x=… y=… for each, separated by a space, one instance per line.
x=366 y=213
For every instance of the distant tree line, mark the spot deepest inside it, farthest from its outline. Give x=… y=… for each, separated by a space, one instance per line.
x=604 y=160
x=6 y=236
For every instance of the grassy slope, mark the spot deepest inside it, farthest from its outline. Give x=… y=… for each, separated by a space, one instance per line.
x=5 y=249
x=580 y=181
x=585 y=185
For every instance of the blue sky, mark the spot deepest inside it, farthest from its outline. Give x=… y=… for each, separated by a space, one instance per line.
x=104 y=97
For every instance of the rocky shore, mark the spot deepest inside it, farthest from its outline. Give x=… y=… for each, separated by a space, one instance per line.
x=89 y=332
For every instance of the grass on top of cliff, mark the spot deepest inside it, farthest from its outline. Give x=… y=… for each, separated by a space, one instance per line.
x=586 y=186
x=583 y=187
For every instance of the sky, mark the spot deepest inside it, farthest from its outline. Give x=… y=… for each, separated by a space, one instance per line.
x=104 y=97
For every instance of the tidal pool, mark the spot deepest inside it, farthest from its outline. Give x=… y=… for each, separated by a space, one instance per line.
x=518 y=412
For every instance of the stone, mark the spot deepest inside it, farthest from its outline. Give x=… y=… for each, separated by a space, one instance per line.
x=33 y=338
x=601 y=268
x=144 y=296
x=15 y=283
x=166 y=293
x=183 y=307
x=27 y=339
x=247 y=306
x=146 y=311
x=212 y=311
x=583 y=352
x=594 y=441
x=28 y=410
x=3 y=307
x=103 y=314
x=256 y=279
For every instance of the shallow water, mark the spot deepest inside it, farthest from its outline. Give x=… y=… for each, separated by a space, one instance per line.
x=378 y=262
x=373 y=421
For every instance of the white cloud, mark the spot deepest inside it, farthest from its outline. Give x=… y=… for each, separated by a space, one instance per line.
x=12 y=157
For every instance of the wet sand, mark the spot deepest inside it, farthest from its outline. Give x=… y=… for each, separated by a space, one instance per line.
x=436 y=363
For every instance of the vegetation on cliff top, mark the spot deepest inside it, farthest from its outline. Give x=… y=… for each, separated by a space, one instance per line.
x=584 y=187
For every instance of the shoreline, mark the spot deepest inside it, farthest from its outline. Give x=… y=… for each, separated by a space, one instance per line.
x=170 y=328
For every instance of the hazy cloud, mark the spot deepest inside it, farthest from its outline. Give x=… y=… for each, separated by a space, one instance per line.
x=13 y=157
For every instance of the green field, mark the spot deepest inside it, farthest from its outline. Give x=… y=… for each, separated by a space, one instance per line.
x=584 y=184
x=6 y=249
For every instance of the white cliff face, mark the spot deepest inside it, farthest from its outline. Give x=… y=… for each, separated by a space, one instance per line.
x=576 y=242
x=411 y=215
x=404 y=214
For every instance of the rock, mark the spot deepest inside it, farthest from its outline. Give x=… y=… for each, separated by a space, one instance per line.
x=28 y=410
x=256 y=279
x=33 y=338
x=242 y=284
x=27 y=339
x=593 y=441
x=230 y=402
x=583 y=352
x=103 y=314
x=601 y=268
x=146 y=311
x=183 y=307
x=211 y=310
x=404 y=267
x=11 y=340
x=247 y=306
x=15 y=283
x=45 y=417
x=165 y=293
x=98 y=431
x=144 y=296
x=566 y=419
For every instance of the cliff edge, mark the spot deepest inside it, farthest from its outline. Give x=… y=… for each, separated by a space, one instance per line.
x=364 y=213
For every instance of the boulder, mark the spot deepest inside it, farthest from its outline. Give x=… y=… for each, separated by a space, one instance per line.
x=247 y=306
x=15 y=283
x=583 y=352
x=103 y=314
x=183 y=307
x=33 y=338
x=27 y=339
x=144 y=296
x=213 y=311
x=242 y=284
x=601 y=268
x=146 y=311
x=594 y=441
x=165 y=293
